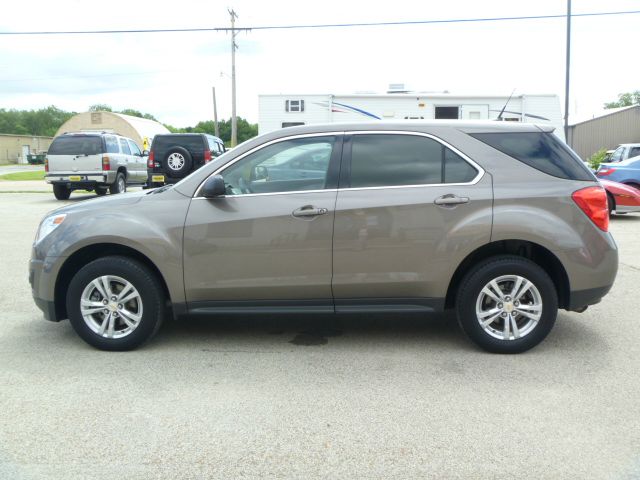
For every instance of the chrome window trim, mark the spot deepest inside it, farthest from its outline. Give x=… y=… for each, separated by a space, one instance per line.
x=465 y=157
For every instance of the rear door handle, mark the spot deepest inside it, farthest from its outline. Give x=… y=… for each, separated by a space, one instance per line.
x=309 y=211
x=450 y=199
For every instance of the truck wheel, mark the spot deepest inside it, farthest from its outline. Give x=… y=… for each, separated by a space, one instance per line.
x=100 y=191
x=120 y=185
x=115 y=303
x=61 y=192
x=507 y=304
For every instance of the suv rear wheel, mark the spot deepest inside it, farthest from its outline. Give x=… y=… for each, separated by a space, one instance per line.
x=61 y=192
x=120 y=185
x=115 y=303
x=507 y=304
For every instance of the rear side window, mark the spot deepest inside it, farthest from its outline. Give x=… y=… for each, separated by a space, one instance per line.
x=396 y=160
x=540 y=150
x=76 y=145
x=635 y=151
x=111 y=144
x=125 y=146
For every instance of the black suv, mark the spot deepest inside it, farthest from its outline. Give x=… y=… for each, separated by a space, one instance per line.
x=175 y=155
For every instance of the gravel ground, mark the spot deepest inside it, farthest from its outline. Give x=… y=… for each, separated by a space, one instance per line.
x=353 y=397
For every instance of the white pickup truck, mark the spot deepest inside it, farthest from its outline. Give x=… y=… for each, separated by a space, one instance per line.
x=97 y=161
x=624 y=151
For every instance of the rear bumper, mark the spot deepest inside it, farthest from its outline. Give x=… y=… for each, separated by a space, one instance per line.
x=69 y=179
x=153 y=179
x=584 y=298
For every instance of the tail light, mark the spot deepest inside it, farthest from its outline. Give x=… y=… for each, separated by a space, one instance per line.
x=593 y=202
x=207 y=156
x=106 y=163
x=604 y=171
x=150 y=159
x=46 y=164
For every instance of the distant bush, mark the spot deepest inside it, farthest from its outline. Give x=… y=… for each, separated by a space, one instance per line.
x=597 y=158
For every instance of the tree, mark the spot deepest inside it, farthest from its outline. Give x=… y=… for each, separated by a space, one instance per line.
x=100 y=107
x=625 y=100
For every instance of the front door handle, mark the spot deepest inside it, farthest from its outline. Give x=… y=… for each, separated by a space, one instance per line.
x=450 y=200
x=309 y=211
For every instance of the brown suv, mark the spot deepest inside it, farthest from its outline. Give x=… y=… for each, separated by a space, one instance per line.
x=501 y=222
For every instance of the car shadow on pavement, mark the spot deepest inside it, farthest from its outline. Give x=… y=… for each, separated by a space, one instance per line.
x=313 y=330
x=626 y=217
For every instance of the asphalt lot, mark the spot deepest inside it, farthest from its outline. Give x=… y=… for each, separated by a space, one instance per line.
x=353 y=397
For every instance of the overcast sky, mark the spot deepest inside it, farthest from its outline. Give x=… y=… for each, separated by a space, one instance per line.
x=171 y=74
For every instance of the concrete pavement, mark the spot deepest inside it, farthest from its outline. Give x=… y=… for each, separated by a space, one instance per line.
x=316 y=397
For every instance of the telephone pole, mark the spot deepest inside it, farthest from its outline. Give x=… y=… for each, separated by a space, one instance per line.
x=215 y=114
x=234 y=46
x=567 y=68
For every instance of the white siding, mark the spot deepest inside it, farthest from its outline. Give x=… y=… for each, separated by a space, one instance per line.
x=359 y=108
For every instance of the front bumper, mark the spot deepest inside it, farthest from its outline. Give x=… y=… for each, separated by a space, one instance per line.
x=42 y=281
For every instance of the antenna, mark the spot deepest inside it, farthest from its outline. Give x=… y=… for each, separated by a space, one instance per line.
x=505 y=105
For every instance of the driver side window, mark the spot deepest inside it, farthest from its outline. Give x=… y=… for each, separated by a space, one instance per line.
x=289 y=166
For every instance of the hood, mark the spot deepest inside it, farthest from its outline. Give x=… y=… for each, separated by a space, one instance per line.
x=107 y=201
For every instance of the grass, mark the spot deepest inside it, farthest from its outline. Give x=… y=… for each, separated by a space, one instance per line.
x=21 y=176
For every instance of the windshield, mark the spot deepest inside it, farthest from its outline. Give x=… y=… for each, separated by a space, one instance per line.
x=76 y=145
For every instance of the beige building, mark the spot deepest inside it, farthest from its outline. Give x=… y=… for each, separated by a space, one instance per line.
x=616 y=126
x=15 y=148
x=138 y=129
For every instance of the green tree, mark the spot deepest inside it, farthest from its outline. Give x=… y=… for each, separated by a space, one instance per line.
x=625 y=100
x=100 y=107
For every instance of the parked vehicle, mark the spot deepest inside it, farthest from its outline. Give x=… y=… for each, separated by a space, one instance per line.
x=623 y=152
x=95 y=161
x=621 y=198
x=174 y=156
x=499 y=221
x=626 y=171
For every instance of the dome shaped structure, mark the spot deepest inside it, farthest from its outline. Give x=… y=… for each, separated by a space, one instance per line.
x=141 y=130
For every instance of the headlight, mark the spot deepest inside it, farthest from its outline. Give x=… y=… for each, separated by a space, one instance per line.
x=49 y=224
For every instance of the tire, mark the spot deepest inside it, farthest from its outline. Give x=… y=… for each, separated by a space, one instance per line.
x=61 y=192
x=119 y=185
x=177 y=162
x=100 y=191
x=611 y=203
x=473 y=304
x=145 y=310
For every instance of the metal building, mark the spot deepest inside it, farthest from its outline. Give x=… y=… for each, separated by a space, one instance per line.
x=15 y=148
x=141 y=130
x=619 y=125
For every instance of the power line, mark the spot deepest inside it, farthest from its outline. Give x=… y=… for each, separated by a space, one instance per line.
x=325 y=25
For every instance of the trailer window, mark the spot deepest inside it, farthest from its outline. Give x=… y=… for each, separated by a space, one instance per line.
x=294 y=105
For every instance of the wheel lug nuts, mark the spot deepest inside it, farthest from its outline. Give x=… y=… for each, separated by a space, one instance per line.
x=508 y=299
x=500 y=305
x=503 y=314
x=113 y=299
x=105 y=311
x=516 y=303
x=119 y=306
x=104 y=302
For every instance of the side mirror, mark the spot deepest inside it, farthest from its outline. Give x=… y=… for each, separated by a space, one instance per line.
x=145 y=153
x=214 y=187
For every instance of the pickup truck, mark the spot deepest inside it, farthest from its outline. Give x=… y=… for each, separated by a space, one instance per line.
x=95 y=161
x=624 y=151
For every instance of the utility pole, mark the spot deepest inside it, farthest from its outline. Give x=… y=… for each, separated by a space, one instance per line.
x=234 y=46
x=215 y=114
x=567 y=68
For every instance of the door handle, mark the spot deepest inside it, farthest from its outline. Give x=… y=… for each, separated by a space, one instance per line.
x=309 y=211
x=450 y=200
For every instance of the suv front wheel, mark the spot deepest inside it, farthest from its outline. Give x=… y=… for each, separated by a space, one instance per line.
x=115 y=303
x=507 y=304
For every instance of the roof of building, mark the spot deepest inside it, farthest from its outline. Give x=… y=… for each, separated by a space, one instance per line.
x=601 y=114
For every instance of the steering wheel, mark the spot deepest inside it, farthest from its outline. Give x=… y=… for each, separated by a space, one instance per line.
x=244 y=188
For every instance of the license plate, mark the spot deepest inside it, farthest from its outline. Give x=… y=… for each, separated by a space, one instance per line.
x=75 y=178
x=157 y=178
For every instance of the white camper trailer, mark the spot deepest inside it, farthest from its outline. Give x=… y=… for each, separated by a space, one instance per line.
x=285 y=110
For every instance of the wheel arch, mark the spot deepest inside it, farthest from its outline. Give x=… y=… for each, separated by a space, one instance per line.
x=538 y=254
x=92 y=252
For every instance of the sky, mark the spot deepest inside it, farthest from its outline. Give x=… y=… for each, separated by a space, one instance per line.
x=171 y=75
